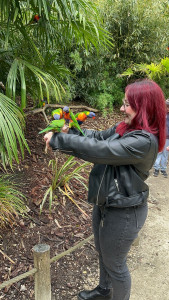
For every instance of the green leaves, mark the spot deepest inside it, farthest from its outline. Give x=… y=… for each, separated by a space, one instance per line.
x=43 y=78
x=139 y=29
x=165 y=63
x=10 y=129
x=152 y=70
x=34 y=49
x=155 y=71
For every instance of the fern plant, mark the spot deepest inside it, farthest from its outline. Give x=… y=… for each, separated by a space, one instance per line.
x=71 y=169
x=159 y=72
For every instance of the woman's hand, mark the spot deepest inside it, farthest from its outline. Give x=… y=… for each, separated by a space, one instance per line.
x=65 y=128
x=47 y=138
x=167 y=148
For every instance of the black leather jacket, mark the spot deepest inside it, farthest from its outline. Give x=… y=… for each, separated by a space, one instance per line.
x=121 y=164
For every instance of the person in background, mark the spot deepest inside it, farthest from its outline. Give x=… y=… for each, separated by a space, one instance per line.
x=162 y=157
x=122 y=157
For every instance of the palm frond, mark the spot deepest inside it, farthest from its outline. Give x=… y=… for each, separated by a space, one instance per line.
x=59 y=20
x=11 y=129
x=43 y=78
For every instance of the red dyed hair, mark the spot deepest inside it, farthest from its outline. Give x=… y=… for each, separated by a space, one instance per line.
x=147 y=99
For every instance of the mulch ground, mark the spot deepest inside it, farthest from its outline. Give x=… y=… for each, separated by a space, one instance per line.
x=61 y=228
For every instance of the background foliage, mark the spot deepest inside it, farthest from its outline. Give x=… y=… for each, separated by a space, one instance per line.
x=139 y=30
x=75 y=50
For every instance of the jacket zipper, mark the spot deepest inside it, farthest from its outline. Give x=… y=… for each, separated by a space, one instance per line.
x=117 y=185
x=100 y=186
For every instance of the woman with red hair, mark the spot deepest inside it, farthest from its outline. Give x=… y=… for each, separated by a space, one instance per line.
x=122 y=157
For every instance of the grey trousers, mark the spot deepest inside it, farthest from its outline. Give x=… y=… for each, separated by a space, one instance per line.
x=114 y=231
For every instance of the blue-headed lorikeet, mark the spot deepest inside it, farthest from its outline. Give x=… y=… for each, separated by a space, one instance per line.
x=57 y=114
x=66 y=114
x=82 y=116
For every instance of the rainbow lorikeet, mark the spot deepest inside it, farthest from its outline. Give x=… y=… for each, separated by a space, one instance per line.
x=55 y=126
x=69 y=117
x=75 y=125
x=73 y=122
x=57 y=114
x=43 y=102
x=82 y=116
x=66 y=114
x=36 y=18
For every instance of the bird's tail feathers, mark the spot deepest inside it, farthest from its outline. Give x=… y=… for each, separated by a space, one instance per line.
x=45 y=130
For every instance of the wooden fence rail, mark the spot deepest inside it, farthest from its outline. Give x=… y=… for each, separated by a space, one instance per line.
x=41 y=270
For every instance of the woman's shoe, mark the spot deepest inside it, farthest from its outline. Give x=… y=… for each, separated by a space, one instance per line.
x=96 y=294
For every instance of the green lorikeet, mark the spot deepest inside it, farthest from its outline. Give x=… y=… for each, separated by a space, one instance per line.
x=55 y=126
x=75 y=122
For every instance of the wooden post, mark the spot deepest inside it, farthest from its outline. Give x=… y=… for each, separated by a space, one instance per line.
x=42 y=276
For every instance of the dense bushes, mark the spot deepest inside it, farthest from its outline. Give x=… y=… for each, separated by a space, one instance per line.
x=95 y=79
x=139 y=31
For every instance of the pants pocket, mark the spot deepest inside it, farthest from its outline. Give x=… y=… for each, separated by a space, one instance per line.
x=140 y=216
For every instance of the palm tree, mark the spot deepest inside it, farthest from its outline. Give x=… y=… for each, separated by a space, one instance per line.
x=32 y=34
x=34 y=31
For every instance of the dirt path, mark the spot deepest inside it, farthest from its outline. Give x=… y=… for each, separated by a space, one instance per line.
x=149 y=261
